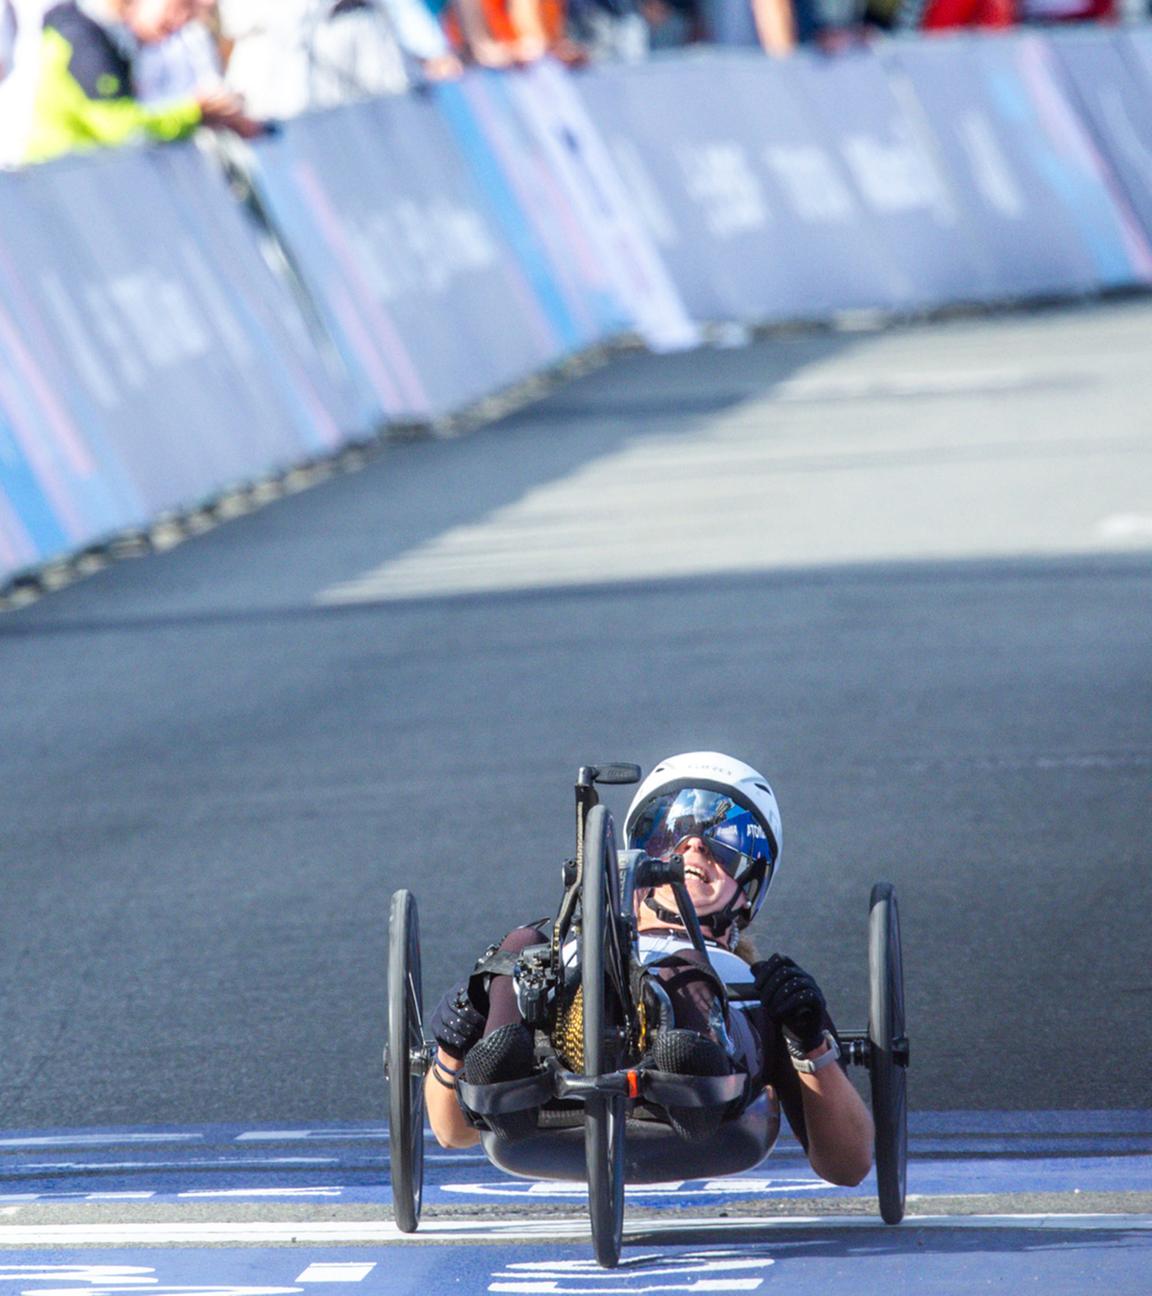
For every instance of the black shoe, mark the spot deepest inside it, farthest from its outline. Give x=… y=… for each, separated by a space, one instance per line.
x=685 y=1052
x=509 y=1053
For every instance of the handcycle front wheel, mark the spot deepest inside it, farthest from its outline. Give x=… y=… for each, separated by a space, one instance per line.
x=405 y=1062
x=604 y=1114
x=888 y=1051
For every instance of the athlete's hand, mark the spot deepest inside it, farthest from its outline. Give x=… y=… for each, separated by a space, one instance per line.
x=792 y=997
x=456 y=1023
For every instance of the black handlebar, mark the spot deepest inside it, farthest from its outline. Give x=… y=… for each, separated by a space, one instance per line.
x=655 y=873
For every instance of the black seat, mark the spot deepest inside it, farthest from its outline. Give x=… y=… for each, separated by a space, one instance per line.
x=652 y=1152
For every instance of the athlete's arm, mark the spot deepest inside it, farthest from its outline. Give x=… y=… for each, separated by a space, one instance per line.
x=448 y=1122
x=455 y=1024
x=840 y=1133
x=838 y=1124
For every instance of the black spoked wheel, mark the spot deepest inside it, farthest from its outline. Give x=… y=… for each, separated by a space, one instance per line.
x=604 y=1116
x=888 y=1054
x=405 y=1062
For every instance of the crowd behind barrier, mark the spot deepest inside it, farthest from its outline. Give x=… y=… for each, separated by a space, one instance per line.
x=284 y=57
x=154 y=351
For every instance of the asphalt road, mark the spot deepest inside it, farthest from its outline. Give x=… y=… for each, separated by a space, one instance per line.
x=908 y=574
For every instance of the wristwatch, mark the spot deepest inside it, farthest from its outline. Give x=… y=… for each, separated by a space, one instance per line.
x=810 y=1066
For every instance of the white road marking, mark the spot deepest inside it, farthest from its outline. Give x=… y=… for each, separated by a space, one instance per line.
x=119 y=1196
x=336 y=1271
x=553 y=1288
x=189 y=1289
x=288 y=1136
x=190 y=1163
x=101 y=1274
x=1126 y=529
x=328 y=1191
x=639 y=1274
x=360 y=1231
x=97 y=1140
x=685 y=1188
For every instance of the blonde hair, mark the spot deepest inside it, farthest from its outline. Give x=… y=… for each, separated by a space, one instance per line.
x=746 y=949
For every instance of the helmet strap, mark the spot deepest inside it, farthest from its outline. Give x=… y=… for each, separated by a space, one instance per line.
x=665 y=915
x=718 y=923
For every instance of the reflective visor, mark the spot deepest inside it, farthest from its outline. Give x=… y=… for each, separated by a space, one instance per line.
x=733 y=835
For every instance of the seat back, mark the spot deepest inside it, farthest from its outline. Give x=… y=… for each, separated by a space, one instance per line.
x=653 y=1153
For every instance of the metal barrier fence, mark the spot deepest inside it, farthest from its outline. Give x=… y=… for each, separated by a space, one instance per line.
x=453 y=243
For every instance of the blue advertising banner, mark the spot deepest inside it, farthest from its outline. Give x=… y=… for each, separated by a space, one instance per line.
x=451 y=243
x=1029 y=92
x=902 y=182
x=1040 y=204
x=65 y=483
x=741 y=191
x=691 y=157
x=312 y=389
x=1013 y=232
x=406 y=255
x=138 y=373
x=1114 y=99
x=1136 y=44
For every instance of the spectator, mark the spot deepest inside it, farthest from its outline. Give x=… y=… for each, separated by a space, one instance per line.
x=352 y=53
x=187 y=61
x=85 y=94
x=17 y=88
x=671 y=23
x=8 y=31
x=289 y=56
x=500 y=33
x=609 y=29
x=1065 y=11
x=771 y=24
x=422 y=38
x=944 y=15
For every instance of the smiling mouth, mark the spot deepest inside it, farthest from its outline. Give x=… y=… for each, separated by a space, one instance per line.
x=691 y=871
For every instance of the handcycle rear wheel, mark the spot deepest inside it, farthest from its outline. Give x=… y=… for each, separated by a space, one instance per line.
x=888 y=1057
x=405 y=1062
x=604 y=1115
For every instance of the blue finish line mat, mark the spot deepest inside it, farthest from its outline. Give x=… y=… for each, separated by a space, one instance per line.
x=940 y=1259
x=951 y=1154
x=110 y=1212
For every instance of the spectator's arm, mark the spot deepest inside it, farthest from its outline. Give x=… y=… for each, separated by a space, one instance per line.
x=484 y=46
x=531 y=35
x=416 y=29
x=775 y=25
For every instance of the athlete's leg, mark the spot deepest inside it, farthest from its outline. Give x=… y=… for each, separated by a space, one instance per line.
x=507 y=1049
x=701 y=1042
x=502 y=1007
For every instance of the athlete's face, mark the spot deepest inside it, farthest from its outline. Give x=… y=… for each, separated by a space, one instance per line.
x=155 y=20
x=708 y=885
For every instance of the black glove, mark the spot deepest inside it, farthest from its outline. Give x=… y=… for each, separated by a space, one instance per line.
x=456 y=1023
x=791 y=996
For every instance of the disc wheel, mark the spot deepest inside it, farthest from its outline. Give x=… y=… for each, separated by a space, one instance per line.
x=405 y=1057
x=601 y=966
x=888 y=1052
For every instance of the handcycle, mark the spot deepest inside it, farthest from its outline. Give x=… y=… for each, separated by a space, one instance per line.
x=593 y=1007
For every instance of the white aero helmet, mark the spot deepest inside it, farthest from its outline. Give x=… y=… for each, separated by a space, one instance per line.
x=721 y=800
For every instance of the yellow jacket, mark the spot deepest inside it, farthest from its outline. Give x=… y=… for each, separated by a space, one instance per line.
x=84 y=96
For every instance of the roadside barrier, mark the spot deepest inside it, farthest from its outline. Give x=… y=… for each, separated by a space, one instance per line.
x=149 y=358
x=449 y=244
